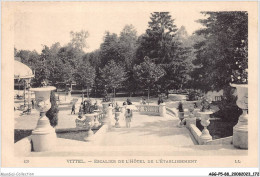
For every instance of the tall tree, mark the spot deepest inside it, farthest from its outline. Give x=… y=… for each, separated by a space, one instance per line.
x=223 y=50
x=127 y=48
x=157 y=43
x=79 y=39
x=147 y=74
x=109 y=50
x=113 y=75
x=127 y=45
x=85 y=76
x=162 y=43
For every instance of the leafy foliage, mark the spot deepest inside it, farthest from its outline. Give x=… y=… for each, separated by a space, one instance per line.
x=147 y=74
x=224 y=49
x=52 y=113
x=113 y=75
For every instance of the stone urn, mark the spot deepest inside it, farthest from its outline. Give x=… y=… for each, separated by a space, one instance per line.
x=44 y=135
x=240 y=130
x=205 y=136
x=117 y=114
x=90 y=122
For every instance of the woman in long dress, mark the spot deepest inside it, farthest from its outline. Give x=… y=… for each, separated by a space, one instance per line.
x=128 y=117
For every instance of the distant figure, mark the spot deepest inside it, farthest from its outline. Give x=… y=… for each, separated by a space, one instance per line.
x=32 y=104
x=144 y=101
x=80 y=110
x=124 y=103
x=160 y=100
x=73 y=108
x=128 y=117
x=128 y=101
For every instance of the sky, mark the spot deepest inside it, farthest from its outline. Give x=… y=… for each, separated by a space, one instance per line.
x=35 y=26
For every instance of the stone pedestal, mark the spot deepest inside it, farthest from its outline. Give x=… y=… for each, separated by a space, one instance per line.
x=191 y=120
x=240 y=130
x=44 y=135
x=162 y=110
x=90 y=122
x=196 y=112
x=108 y=113
x=117 y=125
x=96 y=122
x=205 y=136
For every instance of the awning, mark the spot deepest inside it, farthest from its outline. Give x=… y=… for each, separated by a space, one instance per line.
x=22 y=71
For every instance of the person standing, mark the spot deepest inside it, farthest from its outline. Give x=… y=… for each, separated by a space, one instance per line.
x=128 y=117
x=32 y=104
x=73 y=108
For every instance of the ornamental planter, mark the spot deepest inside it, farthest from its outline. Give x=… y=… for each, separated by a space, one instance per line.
x=90 y=121
x=205 y=136
x=240 y=130
x=44 y=135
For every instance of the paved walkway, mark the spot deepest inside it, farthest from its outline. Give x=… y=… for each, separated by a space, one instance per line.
x=148 y=130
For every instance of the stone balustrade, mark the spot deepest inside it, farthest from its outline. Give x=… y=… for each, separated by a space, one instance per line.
x=148 y=108
x=83 y=124
x=203 y=137
x=155 y=109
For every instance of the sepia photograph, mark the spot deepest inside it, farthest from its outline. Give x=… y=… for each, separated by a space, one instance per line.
x=129 y=84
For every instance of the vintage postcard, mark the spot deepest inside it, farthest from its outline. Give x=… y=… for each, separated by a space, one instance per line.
x=129 y=84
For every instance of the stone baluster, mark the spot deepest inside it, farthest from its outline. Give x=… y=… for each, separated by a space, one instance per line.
x=162 y=110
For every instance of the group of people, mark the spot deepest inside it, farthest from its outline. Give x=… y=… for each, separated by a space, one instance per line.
x=128 y=113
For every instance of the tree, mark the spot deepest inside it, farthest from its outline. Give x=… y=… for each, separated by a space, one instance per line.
x=127 y=45
x=163 y=43
x=109 y=50
x=147 y=74
x=223 y=50
x=85 y=76
x=78 y=39
x=113 y=75
x=127 y=49
x=157 y=43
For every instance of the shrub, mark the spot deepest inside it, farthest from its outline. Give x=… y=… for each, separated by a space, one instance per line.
x=88 y=107
x=205 y=104
x=228 y=110
x=52 y=113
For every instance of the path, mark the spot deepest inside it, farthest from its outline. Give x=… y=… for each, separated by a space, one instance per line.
x=148 y=130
